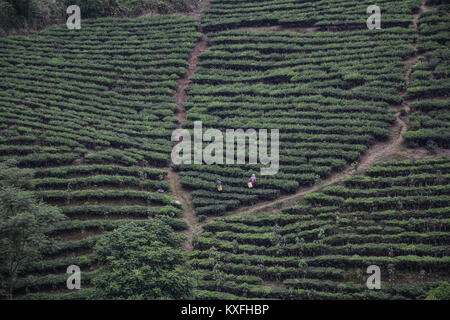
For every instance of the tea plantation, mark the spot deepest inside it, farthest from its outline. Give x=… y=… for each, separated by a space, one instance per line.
x=327 y=93
x=364 y=162
x=395 y=216
x=92 y=112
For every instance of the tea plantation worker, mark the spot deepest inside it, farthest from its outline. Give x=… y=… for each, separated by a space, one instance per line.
x=219 y=185
x=252 y=181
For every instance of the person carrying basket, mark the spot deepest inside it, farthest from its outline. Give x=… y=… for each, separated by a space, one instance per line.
x=219 y=185
x=252 y=181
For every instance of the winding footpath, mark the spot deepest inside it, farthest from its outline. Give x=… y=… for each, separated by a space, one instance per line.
x=176 y=188
x=376 y=152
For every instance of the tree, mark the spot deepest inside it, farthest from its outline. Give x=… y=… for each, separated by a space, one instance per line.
x=142 y=261
x=24 y=224
x=442 y=292
x=10 y=175
x=36 y=14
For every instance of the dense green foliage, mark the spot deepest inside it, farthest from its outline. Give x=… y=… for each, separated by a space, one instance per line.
x=327 y=93
x=145 y=261
x=430 y=115
x=89 y=115
x=36 y=14
x=442 y=292
x=24 y=224
x=11 y=176
x=326 y=14
x=395 y=217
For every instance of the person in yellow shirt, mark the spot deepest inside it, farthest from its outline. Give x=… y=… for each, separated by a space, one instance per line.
x=252 y=181
x=219 y=185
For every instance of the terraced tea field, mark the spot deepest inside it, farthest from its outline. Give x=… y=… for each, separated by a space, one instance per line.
x=429 y=87
x=92 y=112
x=327 y=93
x=323 y=14
x=395 y=216
x=364 y=164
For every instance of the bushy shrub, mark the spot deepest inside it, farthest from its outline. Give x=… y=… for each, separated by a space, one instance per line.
x=440 y=293
x=36 y=14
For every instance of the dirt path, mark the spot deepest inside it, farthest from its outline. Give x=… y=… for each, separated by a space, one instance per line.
x=413 y=61
x=188 y=214
x=176 y=188
x=199 y=11
x=184 y=82
x=376 y=152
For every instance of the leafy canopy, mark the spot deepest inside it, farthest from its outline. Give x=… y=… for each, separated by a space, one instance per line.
x=442 y=292
x=142 y=261
x=24 y=224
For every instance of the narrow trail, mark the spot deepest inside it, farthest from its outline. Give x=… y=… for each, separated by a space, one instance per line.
x=376 y=152
x=177 y=191
x=184 y=82
x=413 y=61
